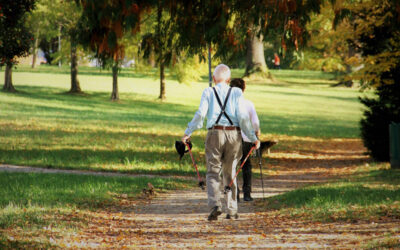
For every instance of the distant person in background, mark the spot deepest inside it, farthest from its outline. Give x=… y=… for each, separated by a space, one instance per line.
x=277 y=61
x=246 y=143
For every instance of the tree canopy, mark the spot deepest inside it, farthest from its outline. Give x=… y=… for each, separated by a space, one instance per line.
x=15 y=38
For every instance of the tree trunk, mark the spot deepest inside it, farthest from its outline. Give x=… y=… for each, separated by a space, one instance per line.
x=59 y=45
x=347 y=83
x=75 y=85
x=8 y=85
x=35 y=47
x=162 y=81
x=115 y=94
x=255 y=59
x=160 y=52
x=152 y=60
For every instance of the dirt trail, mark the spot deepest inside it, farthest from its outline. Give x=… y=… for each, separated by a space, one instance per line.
x=178 y=219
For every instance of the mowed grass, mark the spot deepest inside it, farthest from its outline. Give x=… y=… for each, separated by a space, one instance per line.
x=42 y=126
x=372 y=195
x=33 y=205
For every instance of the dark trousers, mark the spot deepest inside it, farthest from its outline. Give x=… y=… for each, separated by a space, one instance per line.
x=246 y=170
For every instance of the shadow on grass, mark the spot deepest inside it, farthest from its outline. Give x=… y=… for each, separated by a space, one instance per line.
x=96 y=106
x=150 y=73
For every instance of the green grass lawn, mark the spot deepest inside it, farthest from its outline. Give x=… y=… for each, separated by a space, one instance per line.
x=371 y=195
x=42 y=126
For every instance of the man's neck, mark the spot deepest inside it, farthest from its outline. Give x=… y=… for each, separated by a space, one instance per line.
x=220 y=83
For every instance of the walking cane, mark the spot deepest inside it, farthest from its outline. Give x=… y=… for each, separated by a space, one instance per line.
x=201 y=182
x=229 y=187
x=260 y=164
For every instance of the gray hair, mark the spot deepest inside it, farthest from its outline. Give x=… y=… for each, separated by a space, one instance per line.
x=222 y=73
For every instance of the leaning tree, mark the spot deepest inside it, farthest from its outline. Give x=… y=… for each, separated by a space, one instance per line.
x=15 y=38
x=102 y=26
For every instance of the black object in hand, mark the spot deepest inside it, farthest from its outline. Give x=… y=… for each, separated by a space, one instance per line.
x=181 y=148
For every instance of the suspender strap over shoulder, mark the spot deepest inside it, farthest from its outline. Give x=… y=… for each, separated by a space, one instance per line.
x=223 y=106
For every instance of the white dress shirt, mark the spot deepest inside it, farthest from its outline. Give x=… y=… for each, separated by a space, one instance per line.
x=253 y=118
x=235 y=109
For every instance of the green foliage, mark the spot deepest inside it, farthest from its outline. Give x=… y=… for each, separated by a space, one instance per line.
x=104 y=23
x=50 y=19
x=15 y=38
x=327 y=48
x=379 y=113
x=189 y=70
x=204 y=23
x=376 y=35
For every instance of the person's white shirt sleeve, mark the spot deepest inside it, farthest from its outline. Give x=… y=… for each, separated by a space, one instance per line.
x=244 y=120
x=254 y=117
x=198 y=119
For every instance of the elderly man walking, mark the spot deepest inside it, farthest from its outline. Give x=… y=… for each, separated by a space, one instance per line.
x=226 y=117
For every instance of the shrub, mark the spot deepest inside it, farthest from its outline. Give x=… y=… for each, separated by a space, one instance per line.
x=380 y=112
x=188 y=70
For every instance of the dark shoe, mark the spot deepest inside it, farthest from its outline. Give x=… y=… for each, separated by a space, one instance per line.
x=247 y=197
x=235 y=216
x=215 y=212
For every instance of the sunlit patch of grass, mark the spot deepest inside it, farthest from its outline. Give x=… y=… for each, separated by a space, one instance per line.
x=373 y=195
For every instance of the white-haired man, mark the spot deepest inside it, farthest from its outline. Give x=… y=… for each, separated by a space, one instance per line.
x=226 y=117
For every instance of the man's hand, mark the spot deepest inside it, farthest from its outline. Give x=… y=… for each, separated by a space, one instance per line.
x=185 y=138
x=257 y=143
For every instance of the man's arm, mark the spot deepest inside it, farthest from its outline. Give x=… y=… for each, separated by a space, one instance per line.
x=198 y=119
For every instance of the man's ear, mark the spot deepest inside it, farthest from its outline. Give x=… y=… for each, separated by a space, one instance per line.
x=228 y=81
x=215 y=81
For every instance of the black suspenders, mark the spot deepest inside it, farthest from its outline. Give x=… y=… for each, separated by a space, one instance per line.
x=223 y=107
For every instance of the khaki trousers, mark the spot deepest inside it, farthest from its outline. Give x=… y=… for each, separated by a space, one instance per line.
x=223 y=153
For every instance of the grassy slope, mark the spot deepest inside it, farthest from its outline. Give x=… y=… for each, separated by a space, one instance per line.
x=42 y=126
